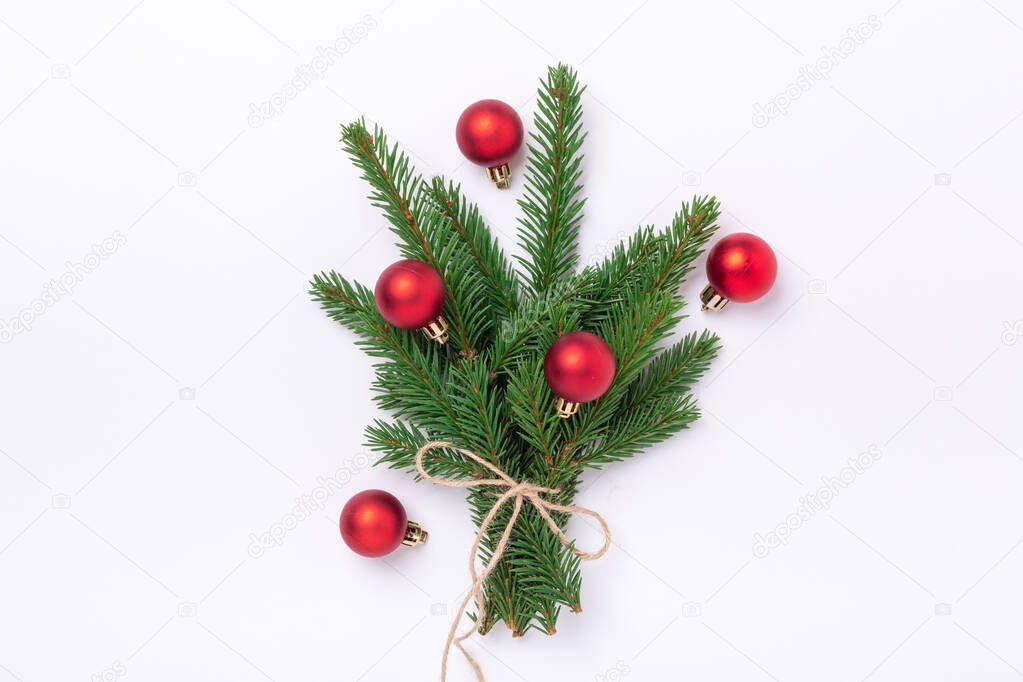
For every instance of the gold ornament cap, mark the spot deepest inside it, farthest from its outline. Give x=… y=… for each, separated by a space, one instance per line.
x=565 y=408
x=415 y=535
x=500 y=176
x=437 y=330
x=712 y=300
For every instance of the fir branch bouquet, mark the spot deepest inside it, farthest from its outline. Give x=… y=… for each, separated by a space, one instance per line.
x=485 y=390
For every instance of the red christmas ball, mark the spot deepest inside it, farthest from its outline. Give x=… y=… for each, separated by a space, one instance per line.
x=373 y=523
x=489 y=133
x=579 y=367
x=742 y=267
x=409 y=294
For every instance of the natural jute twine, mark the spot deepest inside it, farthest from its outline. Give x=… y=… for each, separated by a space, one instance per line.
x=519 y=492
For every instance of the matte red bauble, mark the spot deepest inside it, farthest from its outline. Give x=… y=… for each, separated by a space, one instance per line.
x=373 y=523
x=741 y=267
x=410 y=295
x=579 y=368
x=489 y=133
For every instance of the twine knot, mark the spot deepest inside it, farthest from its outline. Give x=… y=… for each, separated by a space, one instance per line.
x=516 y=491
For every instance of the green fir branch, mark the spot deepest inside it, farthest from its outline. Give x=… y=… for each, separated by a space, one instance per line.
x=411 y=361
x=539 y=322
x=547 y=570
x=479 y=411
x=485 y=391
x=684 y=241
x=658 y=404
x=675 y=370
x=530 y=399
x=633 y=334
x=398 y=442
x=553 y=205
x=396 y=189
x=486 y=255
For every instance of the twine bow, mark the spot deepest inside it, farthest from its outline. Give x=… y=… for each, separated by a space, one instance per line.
x=515 y=490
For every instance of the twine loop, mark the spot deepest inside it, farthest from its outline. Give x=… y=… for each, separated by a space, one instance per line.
x=517 y=492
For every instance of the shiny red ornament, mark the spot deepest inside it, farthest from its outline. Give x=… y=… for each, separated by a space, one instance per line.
x=741 y=267
x=579 y=368
x=489 y=133
x=374 y=523
x=410 y=295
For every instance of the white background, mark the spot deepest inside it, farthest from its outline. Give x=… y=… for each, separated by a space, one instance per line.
x=186 y=392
